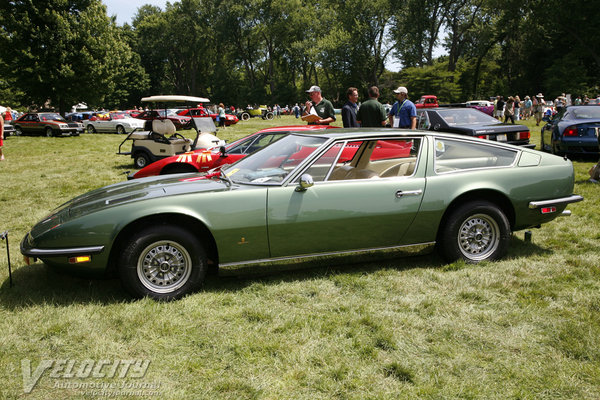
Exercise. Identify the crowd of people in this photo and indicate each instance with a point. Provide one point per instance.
(370, 114)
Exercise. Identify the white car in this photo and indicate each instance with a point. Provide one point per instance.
(116, 121)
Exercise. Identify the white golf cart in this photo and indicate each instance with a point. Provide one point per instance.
(159, 139)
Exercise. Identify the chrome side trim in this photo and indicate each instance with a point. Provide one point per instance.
(41, 253)
(411, 249)
(554, 202)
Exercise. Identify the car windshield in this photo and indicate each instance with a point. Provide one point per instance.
(466, 116)
(118, 115)
(274, 162)
(52, 117)
(583, 113)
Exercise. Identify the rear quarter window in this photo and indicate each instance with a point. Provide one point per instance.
(455, 155)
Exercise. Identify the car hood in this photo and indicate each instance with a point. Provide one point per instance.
(130, 192)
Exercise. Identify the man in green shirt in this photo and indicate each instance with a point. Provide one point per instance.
(371, 113)
(317, 105)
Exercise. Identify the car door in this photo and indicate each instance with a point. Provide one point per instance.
(345, 213)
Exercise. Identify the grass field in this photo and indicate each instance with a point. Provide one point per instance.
(526, 327)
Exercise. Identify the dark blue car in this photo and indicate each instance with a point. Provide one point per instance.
(573, 132)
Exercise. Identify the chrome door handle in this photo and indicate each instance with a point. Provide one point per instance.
(400, 193)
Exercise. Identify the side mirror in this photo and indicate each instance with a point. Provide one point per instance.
(306, 181)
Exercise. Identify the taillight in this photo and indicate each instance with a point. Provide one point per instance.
(524, 135)
(548, 210)
(570, 131)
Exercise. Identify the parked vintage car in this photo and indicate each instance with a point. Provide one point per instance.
(482, 105)
(180, 121)
(203, 112)
(471, 122)
(296, 199)
(576, 131)
(114, 122)
(9, 130)
(46, 124)
(201, 160)
(427, 101)
(262, 112)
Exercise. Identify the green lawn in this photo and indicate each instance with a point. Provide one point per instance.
(524, 327)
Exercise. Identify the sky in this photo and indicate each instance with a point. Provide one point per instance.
(126, 9)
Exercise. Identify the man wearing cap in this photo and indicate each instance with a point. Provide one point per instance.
(319, 106)
(538, 108)
(403, 113)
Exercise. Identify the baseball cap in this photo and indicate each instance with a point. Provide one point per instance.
(401, 89)
(313, 89)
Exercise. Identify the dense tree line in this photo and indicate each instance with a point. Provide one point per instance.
(239, 52)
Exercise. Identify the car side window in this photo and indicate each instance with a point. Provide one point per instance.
(455, 155)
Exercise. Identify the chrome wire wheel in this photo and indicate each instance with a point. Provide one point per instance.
(164, 266)
(478, 237)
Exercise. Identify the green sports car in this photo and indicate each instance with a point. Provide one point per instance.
(299, 197)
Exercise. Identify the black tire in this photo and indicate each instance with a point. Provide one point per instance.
(49, 132)
(90, 129)
(18, 131)
(162, 262)
(120, 130)
(245, 116)
(140, 160)
(475, 231)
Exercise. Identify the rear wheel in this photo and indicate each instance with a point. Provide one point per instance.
(162, 262)
(140, 160)
(91, 129)
(476, 231)
(49, 132)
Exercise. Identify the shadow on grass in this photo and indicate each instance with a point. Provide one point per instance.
(40, 284)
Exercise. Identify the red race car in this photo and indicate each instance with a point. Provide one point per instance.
(201, 160)
(203, 112)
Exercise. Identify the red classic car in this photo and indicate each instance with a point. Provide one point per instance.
(203, 112)
(202, 160)
(180, 121)
(427, 101)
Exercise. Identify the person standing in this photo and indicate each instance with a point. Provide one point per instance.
(371, 113)
(404, 112)
(499, 108)
(538, 108)
(221, 115)
(509, 112)
(1, 137)
(319, 106)
(517, 108)
(350, 108)
(527, 104)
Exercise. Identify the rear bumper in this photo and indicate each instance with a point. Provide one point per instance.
(562, 201)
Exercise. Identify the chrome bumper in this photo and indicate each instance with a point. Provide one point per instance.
(555, 202)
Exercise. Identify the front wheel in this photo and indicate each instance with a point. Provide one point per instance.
(245, 116)
(476, 231)
(49, 132)
(18, 131)
(269, 116)
(121, 130)
(90, 129)
(162, 262)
